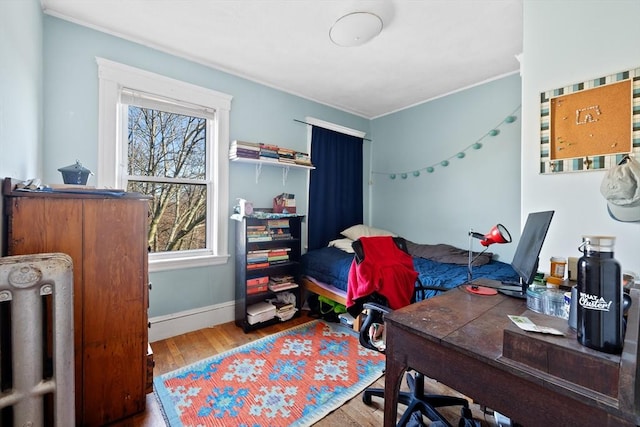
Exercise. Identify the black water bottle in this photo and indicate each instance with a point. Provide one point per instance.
(600, 320)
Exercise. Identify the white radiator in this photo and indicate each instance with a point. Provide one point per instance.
(25, 282)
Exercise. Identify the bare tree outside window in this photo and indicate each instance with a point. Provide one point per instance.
(167, 161)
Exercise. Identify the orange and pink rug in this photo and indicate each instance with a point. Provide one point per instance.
(293, 378)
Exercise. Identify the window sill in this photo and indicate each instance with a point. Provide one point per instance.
(190, 262)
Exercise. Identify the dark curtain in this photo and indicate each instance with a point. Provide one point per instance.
(335, 189)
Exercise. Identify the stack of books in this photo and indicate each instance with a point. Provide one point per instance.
(286, 155)
(278, 256)
(269, 152)
(244, 150)
(302, 159)
(281, 283)
(258, 233)
(284, 310)
(279, 229)
(257, 259)
(257, 285)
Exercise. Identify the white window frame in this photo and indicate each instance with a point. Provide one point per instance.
(112, 152)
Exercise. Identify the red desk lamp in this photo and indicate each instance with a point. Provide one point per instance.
(497, 234)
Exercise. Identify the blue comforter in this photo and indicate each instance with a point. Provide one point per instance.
(331, 265)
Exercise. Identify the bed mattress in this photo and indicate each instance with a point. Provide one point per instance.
(331, 265)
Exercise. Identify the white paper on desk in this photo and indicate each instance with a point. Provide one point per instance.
(526, 324)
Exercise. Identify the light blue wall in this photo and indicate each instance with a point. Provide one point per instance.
(68, 103)
(258, 113)
(567, 42)
(477, 191)
(20, 88)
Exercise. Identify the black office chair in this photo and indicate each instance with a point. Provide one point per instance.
(418, 403)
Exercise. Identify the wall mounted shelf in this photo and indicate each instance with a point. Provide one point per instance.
(259, 163)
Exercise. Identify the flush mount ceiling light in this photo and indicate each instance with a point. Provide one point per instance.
(355, 29)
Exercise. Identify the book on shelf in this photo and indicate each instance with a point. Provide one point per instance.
(286, 155)
(269, 150)
(302, 158)
(283, 236)
(287, 151)
(263, 280)
(268, 153)
(269, 147)
(282, 306)
(281, 278)
(256, 289)
(277, 287)
(278, 252)
(258, 254)
(245, 144)
(257, 265)
(259, 232)
(273, 259)
(244, 150)
(280, 283)
(244, 156)
(277, 223)
(254, 239)
(284, 310)
(286, 315)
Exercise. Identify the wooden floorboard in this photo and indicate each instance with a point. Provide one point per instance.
(175, 352)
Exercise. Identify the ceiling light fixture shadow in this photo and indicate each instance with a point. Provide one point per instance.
(355, 29)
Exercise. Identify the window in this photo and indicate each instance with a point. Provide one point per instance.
(169, 140)
(166, 159)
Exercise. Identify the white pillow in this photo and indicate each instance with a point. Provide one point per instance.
(357, 231)
(342, 244)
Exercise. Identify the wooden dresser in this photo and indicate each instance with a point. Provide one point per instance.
(106, 236)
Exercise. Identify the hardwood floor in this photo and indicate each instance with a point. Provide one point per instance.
(179, 351)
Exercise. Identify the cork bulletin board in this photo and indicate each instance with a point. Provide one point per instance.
(590, 125)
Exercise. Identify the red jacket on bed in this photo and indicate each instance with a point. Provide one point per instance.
(385, 269)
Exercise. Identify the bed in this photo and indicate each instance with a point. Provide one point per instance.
(325, 271)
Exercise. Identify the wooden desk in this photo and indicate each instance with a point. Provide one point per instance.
(457, 338)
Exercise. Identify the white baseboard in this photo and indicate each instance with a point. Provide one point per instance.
(170, 325)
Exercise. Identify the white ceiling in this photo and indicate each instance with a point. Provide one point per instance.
(427, 48)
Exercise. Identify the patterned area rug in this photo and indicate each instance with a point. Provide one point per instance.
(293, 378)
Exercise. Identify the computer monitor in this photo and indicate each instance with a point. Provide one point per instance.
(525, 260)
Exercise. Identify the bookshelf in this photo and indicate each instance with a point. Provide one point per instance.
(260, 154)
(260, 162)
(267, 270)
